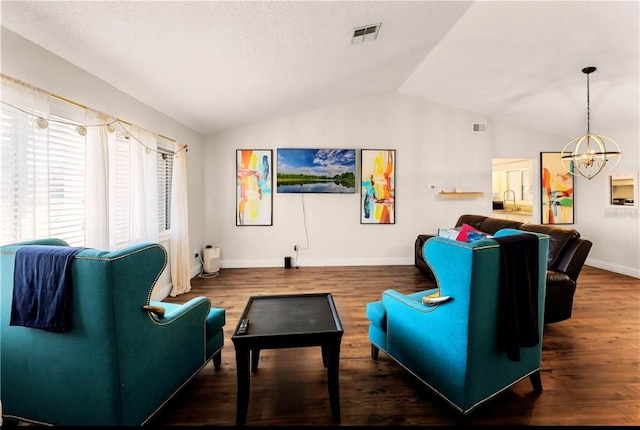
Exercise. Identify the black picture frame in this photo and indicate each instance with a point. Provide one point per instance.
(254, 187)
(557, 190)
(377, 186)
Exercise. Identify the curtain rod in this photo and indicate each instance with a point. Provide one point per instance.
(75, 103)
(80, 105)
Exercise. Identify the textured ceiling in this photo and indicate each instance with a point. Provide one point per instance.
(216, 65)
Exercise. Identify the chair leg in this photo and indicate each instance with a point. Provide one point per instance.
(536, 382)
(374, 352)
(10, 422)
(217, 360)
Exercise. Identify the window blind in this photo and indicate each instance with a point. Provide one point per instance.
(43, 172)
(165, 173)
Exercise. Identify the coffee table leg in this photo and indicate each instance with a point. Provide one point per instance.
(242, 371)
(333, 365)
(255, 357)
(324, 355)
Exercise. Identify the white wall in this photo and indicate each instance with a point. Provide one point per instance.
(30, 63)
(614, 230)
(435, 145)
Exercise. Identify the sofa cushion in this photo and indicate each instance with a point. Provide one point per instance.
(464, 231)
(474, 221)
(491, 225)
(559, 237)
(449, 233)
(472, 236)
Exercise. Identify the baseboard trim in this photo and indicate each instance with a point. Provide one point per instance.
(302, 262)
(615, 268)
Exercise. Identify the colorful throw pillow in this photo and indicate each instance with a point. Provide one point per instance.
(449, 233)
(472, 236)
(464, 231)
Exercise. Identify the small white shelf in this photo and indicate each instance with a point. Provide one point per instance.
(462, 195)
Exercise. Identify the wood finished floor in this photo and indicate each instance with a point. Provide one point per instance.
(590, 363)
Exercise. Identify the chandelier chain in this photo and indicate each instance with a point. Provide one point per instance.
(588, 108)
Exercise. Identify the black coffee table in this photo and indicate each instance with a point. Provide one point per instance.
(287, 321)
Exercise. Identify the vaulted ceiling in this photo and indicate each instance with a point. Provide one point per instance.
(215, 65)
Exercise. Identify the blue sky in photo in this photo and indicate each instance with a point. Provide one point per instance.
(309, 161)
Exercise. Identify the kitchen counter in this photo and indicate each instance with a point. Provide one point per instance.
(518, 215)
(523, 212)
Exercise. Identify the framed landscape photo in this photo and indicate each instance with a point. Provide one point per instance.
(377, 186)
(557, 190)
(316, 170)
(254, 183)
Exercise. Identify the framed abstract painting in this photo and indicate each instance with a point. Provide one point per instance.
(377, 186)
(557, 190)
(254, 183)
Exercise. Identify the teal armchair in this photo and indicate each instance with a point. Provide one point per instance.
(121, 357)
(462, 348)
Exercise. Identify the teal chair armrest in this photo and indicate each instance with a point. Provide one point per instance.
(175, 311)
(186, 321)
(412, 301)
(415, 329)
(430, 340)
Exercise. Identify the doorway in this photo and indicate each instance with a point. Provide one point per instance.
(512, 183)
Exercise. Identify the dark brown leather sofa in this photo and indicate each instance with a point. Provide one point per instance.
(567, 254)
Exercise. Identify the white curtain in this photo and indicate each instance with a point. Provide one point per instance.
(180, 249)
(97, 226)
(144, 182)
(23, 191)
(111, 177)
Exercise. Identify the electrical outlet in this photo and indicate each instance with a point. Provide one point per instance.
(295, 247)
(196, 253)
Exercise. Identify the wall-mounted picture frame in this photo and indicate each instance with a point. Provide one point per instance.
(316, 170)
(254, 187)
(557, 189)
(377, 186)
(622, 191)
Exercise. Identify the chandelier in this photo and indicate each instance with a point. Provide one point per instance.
(587, 155)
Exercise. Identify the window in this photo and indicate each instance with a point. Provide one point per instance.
(44, 176)
(165, 173)
(119, 179)
(63, 197)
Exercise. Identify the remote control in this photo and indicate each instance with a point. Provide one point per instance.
(242, 329)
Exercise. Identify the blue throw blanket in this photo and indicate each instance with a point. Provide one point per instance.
(42, 287)
(518, 306)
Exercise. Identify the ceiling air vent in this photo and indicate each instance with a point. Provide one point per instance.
(479, 127)
(366, 33)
